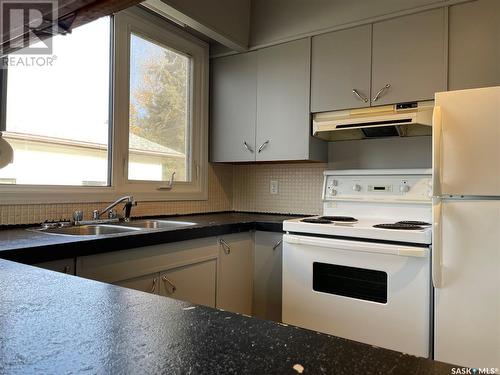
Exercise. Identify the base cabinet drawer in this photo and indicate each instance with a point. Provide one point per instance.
(194, 283)
(146, 283)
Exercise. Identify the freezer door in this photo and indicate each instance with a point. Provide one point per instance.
(467, 300)
(466, 142)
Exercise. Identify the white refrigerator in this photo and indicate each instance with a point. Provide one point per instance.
(466, 227)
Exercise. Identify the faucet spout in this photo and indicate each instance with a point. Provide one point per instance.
(129, 202)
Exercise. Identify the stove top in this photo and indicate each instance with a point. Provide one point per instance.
(365, 228)
(392, 205)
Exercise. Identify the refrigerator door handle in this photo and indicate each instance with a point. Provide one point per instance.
(436, 242)
(437, 144)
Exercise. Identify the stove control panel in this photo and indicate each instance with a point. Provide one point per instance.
(349, 186)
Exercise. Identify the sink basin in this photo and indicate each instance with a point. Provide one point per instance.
(90, 230)
(159, 224)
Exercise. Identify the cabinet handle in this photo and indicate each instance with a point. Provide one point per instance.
(165, 279)
(360, 96)
(153, 288)
(377, 96)
(247, 147)
(276, 245)
(262, 146)
(225, 246)
(67, 269)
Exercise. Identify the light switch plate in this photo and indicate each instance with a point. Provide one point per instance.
(273, 187)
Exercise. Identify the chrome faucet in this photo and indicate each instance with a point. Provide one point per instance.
(96, 214)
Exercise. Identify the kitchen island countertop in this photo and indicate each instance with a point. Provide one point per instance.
(55, 323)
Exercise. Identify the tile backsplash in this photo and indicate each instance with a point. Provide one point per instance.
(299, 188)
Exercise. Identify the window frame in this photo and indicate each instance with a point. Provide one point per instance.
(142, 22)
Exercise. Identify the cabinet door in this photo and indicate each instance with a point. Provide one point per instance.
(146, 283)
(474, 45)
(267, 276)
(340, 64)
(409, 55)
(283, 123)
(235, 273)
(60, 265)
(232, 127)
(194, 283)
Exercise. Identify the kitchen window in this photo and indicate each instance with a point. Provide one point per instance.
(57, 117)
(124, 110)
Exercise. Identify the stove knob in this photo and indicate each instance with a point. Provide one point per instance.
(404, 188)
(356, 187)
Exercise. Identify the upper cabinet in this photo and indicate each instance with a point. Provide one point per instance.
(264, 94)
(341, 69)
(398, 60)
(233, 95)
(474, 45)
(408, 61)
(283, 86)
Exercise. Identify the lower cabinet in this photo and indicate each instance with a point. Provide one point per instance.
(185, 270)
(195, 283)
(235, 273)
(267, 276)
(238, 272)
(146, 283)
(60, 265)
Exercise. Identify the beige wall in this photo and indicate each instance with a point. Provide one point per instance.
(277, 20)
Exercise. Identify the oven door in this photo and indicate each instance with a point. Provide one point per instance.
(375, 293)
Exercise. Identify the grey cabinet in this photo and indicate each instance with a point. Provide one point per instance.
(60, 265)
(233, 102)
(145, 283)
(474, 45)
(262, 98)
(409, 55)
(283, 118)
(194, 282)
(267, 276)
(341, 69)
(235, 273)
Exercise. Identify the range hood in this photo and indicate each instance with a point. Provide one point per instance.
(397, 120)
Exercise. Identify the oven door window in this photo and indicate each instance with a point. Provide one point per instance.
(359, 283)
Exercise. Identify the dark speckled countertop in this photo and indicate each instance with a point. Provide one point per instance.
(32, 247)
(52, 323)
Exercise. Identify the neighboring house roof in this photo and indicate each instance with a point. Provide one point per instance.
(138, 145)
(142, 144)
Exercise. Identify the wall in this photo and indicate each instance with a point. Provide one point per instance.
(278, 20)
(220, 198)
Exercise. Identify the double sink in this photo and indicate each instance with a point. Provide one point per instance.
(108, 229)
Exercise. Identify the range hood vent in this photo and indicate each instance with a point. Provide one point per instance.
(398, 120)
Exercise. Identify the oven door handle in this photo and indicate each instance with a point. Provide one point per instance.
(417, 252)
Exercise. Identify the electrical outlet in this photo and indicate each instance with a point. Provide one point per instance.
(273, 188)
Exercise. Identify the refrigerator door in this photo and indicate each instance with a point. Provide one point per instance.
(466, 142)
(467, 298)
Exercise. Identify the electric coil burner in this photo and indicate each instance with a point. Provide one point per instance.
(316, 220)
(414, 222)
(399, 226)
(340, 219)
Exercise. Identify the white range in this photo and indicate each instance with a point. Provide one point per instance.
(362, 269)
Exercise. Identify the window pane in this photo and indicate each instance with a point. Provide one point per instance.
(159, 141)
(57, 116)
